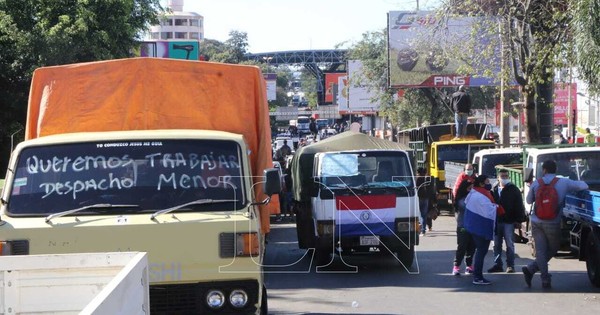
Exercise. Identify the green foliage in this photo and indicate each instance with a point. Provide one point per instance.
(230, 51)
(36, 33)
(587, 41)
(536, 39)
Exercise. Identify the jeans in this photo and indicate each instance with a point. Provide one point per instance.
(465, 249)
(504, 231)
(481, 248)
(546, 236)
(424, 208)
(460, 119)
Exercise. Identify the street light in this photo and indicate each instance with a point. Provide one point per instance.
(519, 107)
(12, 137)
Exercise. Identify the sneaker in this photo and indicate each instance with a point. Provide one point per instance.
(422, 234)
(481, 281)
(510, 270)
(496, 268)
(527, 275)
(469, 270)
(456, 271)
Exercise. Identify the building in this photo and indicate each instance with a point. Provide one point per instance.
(178, 25)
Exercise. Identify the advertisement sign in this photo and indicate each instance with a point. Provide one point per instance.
(419, 54)
(271, 80)
(342, 96)
(331, 79)
(359, 96)
(561, 102)
(170, 49)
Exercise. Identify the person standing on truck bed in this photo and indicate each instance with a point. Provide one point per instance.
(461, 104)
(546, 232)
(509, 197)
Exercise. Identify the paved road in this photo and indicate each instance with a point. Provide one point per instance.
(381, 286)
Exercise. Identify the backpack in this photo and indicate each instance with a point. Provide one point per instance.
(546, 200)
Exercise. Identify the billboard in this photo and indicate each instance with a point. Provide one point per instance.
(170, 49)
(342, 96)
(561, 102)
(359, 96)
(331, 79)
(420, 54)
(271, 80)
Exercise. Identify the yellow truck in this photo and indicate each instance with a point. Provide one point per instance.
(168, 157)
(434, 145)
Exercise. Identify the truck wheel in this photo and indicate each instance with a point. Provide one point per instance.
(264, 308)
(322, 256)
(406, 255)
(592, 262)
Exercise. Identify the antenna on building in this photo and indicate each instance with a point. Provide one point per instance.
(175, 5)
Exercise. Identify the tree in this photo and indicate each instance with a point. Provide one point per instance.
(36, 33)
(586, 15)
(536, 37)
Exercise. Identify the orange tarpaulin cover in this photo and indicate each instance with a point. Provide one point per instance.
(154, 93)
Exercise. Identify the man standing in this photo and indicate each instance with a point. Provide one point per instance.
(509, 197)
(461, 104)
(283, 152)
(424, 192)
(546, 231)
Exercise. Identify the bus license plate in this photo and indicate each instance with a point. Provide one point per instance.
(369, 240)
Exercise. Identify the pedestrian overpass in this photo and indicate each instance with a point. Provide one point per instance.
(318, 62)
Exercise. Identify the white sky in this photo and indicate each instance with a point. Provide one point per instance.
(280, 25)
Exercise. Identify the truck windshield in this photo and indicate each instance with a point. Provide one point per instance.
(574, 165)
(489, 162)
(366, 170)
(458, 152)
(149, 174)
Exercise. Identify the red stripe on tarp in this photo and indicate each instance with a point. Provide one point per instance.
(366, 202)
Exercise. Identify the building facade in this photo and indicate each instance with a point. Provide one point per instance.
(178, 25)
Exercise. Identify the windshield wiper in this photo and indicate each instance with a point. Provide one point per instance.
(94, 206)
(191, 203)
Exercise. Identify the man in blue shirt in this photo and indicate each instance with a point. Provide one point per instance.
(546, 233)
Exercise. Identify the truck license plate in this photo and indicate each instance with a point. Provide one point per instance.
(369, 240)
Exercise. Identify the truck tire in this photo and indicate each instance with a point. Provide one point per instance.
(406, 255)
(592, 262)
(322, 256)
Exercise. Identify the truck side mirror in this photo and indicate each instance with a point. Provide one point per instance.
(528, 175)
(272, 184)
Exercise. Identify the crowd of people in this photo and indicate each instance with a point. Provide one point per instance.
(485, 214)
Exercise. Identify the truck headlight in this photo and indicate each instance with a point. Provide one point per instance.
(325, 228)
(238, 298)
(406, 226)
(215, 299)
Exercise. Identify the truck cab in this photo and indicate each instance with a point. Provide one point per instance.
(183, 196)
(365, 201)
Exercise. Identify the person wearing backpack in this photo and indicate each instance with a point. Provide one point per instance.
(548, 193)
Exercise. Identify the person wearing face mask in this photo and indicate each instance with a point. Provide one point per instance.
(467, 174)
(509, 197)
(480, 220)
